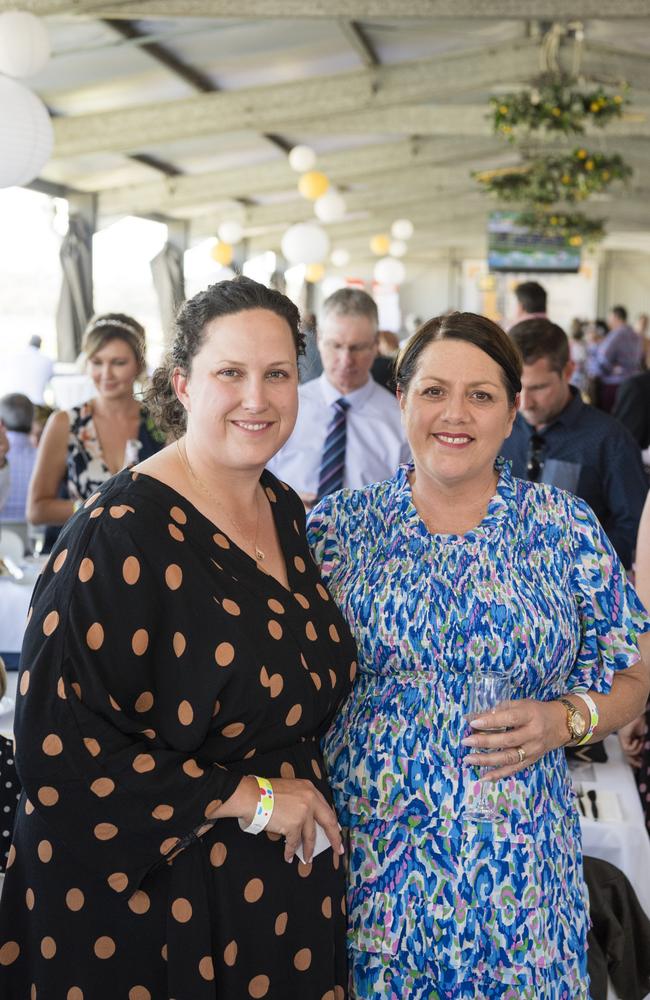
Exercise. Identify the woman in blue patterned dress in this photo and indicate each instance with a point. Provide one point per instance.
(453, 565)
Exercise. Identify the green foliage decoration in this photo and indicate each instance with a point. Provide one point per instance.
(575, 228)
(556, 104)
(545, 180)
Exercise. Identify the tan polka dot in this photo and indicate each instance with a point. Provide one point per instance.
(90, 501)
(329, 995)
(178, 514)
(86, 570)
(48, 947)
(23, 687)
(114, 705)
(293, 715)
(336, 860)
(118, 881)
(11, 856)
(304, 662)
(173, 576)
(192, 769)
(95, 636)
(232, 730)
(230, 607)
(206, 968)
(101, 787)
(334, 635)
(339, 993)
(139, 993)
(264, 677)
(332, 678)
(259, 987)
(299, 564)
(317, 681)
(149, 733)
(182, 910)
(30, 899)
(29, 808)
(60, 689)
(304, 869)
(32, 992)
(287, 770)
(144, 702)
(250, 753)
(47, 795)
(74, 899)
(163, 952)
(343, 906)
(52, 745)
(224, 654)
(176, 533)
(221, 540)
(212, 807)
(185, 713)
(326, 907)
(275, 629)
(353, 670)
(131, 570)
(217, 708)
(230, 953)
(302, 959)
(311, 632)
(92, 746)
(74, 993)
(281, 923)
(60, 559)
(218, 854)
(316, 769)
(322, 592)
(143, 762)
(179, 643)
(275, 606)
(119, 510)
(105, 831)
(270, 494)
(163, 811)
(104, 947)
(50, 622)
(139, 902)
(97, 511)
(29, 616)
(302, 601)
(44, 851)
(253, 890)
(76, 687)
(140, 641)
(9, 952)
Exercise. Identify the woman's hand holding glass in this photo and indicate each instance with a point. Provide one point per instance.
(532, 728)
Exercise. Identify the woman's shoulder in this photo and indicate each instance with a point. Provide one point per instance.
(546, 505)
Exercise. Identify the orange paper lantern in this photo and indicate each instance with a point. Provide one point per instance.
(313, 185)
(222, 253)
(314, 273)
(380, 244)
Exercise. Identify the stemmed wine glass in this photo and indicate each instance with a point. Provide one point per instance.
(490, 689)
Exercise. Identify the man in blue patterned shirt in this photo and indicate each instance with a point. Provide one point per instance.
(559, 439)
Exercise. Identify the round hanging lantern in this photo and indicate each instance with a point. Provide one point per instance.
(402, 229)
(397, 248)
(389, 271)
(222, 253)
(24, 43)
(314, 273)
(305, 243)
(340, 257)
(379, 244)
(26, 135)
(330, 207)
(230, 231)
(302, 158)
(313, 185)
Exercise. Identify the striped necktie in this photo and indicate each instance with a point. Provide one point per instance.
(330, 476)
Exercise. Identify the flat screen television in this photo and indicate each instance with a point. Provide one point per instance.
(512, 247)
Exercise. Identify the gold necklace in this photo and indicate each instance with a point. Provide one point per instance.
(259, 554)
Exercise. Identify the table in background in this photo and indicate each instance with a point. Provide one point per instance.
(14, 604)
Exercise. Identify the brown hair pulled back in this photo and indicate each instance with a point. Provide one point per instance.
(115, 326)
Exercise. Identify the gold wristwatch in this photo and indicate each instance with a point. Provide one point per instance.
(575, 721)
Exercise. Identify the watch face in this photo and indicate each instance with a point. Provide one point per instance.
(579, 725)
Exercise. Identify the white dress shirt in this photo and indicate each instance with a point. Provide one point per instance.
(375, 443)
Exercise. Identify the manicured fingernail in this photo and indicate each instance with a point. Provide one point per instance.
(478, 723)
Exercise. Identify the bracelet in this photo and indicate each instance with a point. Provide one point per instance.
(77, 505)
(264, 808)
(593, 715)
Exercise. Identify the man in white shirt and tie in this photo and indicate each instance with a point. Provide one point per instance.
(349, 432)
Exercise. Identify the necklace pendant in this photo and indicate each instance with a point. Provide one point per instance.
(259, 555)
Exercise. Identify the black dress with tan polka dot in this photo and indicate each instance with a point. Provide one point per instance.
(161, 663)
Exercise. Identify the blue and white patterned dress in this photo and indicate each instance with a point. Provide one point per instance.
(440, 907)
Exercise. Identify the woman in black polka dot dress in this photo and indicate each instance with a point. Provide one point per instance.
(180, 647)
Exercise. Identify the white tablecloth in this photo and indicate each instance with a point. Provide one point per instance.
(14, 605)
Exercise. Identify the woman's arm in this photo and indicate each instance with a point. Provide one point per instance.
(44, 506)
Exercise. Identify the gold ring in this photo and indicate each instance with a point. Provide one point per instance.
(521, 753)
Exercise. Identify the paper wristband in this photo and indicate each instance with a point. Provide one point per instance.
(264, 807)
(593, 715)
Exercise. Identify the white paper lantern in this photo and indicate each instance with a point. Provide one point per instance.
(330, 207)
(24, 43)
(26, 134)
(402, 229)
(340, 257)
(230, 231)
(389, 271)
(302, 158)
(305, 243)
(397, 248)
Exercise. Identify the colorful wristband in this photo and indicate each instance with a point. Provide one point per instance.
(593, 715)
(264, 807)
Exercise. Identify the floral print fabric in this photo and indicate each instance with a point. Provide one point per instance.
(441, 907)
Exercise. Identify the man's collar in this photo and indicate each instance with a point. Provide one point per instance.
(565, 418)
(356, 398)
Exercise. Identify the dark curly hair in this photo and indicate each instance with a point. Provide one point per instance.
(225, 298)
